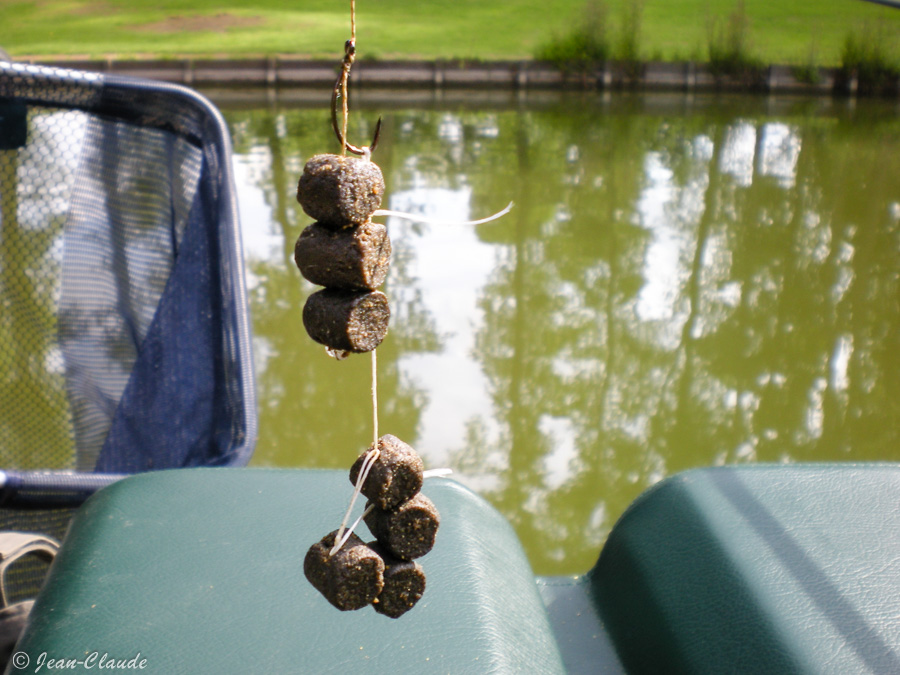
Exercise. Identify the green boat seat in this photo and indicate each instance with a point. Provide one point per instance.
(201, 571)
(752, 569)
(756, 569)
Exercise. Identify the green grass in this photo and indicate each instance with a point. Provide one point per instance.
(585, 46)
(868, 54)
(780, 31)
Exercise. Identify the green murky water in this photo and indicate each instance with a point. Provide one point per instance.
(682, 282)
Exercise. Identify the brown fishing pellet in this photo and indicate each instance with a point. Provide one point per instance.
(396, 475)
(404, 584)
(338, 191)
(350, 579)
(352, 321)
(351, 258)
(407, 531)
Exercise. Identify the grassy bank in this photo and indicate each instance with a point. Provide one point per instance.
(778, 31)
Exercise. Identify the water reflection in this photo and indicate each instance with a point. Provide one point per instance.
(448, 268)
(671, 290)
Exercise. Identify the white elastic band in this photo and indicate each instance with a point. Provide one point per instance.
(342, 536)
(433, 221)
(375, 397)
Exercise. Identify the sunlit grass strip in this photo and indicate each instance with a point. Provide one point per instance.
(780, 32)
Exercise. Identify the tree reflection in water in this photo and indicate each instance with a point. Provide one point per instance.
(681, 284)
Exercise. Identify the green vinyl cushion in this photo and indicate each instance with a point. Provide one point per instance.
(757, 569)
(201, 571)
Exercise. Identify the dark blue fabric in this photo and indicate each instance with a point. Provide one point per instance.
(168, 413)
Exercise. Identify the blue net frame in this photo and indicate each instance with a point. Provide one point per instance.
(125, 340)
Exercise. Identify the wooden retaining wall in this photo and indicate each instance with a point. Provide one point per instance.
(286, 72)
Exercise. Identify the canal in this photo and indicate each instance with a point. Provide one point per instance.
(683, 281)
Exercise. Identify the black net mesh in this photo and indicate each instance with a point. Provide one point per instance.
(36, 427)
(124, 335)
